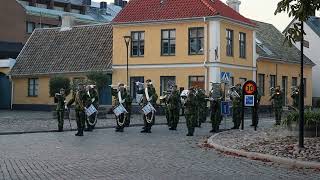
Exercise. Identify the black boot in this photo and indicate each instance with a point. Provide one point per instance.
(60, 129)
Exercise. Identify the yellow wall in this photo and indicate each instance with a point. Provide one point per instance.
(182, 75)
(290, 70)
(235, 59)
(20, 86)
(153, 44)
(238, 73)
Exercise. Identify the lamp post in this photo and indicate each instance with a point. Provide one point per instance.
(127, 41)
(301, 106)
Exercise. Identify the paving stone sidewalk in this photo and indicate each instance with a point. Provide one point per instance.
(31, 121)
(276, 141)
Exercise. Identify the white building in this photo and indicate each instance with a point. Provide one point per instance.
(311, 50)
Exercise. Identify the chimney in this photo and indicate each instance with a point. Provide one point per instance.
(124, 3)
(86, 2)
(103, 7)
(234, 4)
(67, 22)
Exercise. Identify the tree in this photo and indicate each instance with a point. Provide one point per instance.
(58, 82)
(300, 10)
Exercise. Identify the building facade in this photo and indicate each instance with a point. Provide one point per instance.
(190, 48)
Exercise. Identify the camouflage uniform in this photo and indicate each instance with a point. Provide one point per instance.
(93, 99)
(174, 108)
(237, 109)
(190, 112)
(153, 100)
(255, 111)
(202, 107)
(60, 110)
(127, 102)
(278, 101)
(79, 108)
(128, 106)
(295, 96)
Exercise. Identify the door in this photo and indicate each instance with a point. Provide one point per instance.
(105, 96)
(5, 92)
(285, 89)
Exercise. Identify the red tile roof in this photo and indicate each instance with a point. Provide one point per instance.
(153, 10)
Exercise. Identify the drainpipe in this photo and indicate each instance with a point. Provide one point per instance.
(11, 101)
(206, 54)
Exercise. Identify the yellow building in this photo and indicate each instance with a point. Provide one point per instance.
(71, 52)
(192, 43)
(188, 47)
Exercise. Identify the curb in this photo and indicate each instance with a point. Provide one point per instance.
(263, 157)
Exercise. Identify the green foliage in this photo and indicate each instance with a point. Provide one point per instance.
(312, 117)
(100, 79)
(58, 82)
(300, 10)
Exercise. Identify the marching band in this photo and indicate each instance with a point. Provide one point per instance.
(194, 101)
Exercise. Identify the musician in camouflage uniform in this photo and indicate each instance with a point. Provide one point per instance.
(151, 92)
(60, 97)
(277, 98)
(295, 97)
(215, 110)
(191, 111)
(237, 108)
(93, 99)
(255, 110)
(126, 102)
(79, 98)
(174, 107)
(202, 107)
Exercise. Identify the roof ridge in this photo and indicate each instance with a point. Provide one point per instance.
(208, 6)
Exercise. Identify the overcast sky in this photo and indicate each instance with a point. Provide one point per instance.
(261, 10)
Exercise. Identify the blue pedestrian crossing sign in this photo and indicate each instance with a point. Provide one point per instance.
(225, 77)
(225, 108)
(249, 100)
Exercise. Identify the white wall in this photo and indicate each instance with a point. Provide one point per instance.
(313, 53)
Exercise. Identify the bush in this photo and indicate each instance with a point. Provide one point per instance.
(100, 79)
(58, 82)
(311, 118)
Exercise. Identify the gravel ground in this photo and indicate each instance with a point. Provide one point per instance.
(276, 141)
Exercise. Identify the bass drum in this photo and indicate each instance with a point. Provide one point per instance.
(150, 117)
(121, 119)
(92, 120)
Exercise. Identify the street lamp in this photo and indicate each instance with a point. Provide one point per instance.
(301, 105)
(127, 41)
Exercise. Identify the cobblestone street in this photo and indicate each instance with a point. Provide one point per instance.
(104, 154)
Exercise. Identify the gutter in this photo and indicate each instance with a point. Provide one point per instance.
(206, 27)
(56, 73)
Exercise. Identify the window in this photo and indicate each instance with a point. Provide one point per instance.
(305, 87)
(196, 40)
(41, 5)
(273, 80)
(76, 11)
(242, 80)
(44, 25)
(229, 35)
(168, 42)
(134, 90)
(58, 8)
(242, 45)
(294, 81)
(231, 81)
(33, 85)
(30, 27)
(26, 3)
(261, 84)
(166, 82)
(196, 81)
(137, 44)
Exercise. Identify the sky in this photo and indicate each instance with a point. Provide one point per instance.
(260, 10)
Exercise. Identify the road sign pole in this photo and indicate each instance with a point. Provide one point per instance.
(242, 113)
